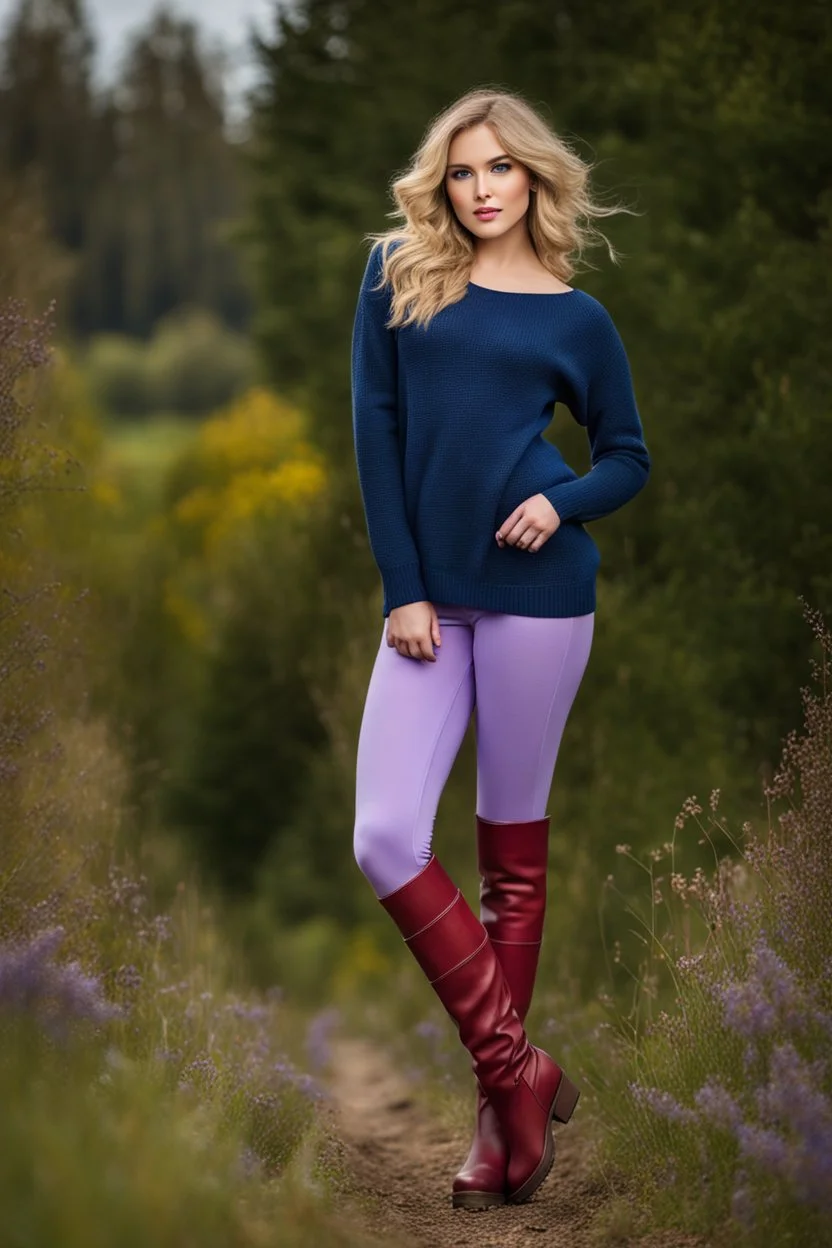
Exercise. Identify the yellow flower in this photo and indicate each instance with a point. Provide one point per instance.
(258, 428)
(107, 494)
(199, 506)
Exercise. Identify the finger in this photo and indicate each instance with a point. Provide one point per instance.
(509, 522)
(429, 651)
(528, 539)
(522, 534)
(424, 648)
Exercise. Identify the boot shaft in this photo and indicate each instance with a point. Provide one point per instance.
(513, 860)
(452, 947)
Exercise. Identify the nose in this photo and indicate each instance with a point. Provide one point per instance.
(483, 191)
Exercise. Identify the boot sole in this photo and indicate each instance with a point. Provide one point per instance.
(476, 1201)
(563, 1106)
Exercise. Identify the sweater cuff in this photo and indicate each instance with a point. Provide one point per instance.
(565, 499)
(403, 585)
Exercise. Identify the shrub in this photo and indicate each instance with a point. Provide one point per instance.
(721, 1111)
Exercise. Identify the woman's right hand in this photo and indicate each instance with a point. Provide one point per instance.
(414, 629)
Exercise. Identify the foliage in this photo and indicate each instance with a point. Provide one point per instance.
(238, 735)
(139, 178)
(148, 1093)
(191, 365)
(719, 1107)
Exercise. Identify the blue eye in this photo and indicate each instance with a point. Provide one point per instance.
(501, 164)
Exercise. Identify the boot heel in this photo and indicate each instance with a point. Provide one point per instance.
(566, 1098)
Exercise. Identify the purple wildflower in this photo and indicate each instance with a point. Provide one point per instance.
(161, 927)
(128, 978)
(662, 1104)
(792, 1096)
(200, 1073)
(251, 1013)
(717, 1106)
(434, 1034)
(742, 1206)
(318, 1035)
(765, 1147)
(168, 1055)
(248, 1163)
(57, 994)
(747, 1010)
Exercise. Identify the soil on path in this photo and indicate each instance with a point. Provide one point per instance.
(404, 1163)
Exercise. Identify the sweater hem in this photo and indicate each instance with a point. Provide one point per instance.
(560, 600)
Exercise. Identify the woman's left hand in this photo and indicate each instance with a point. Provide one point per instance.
(529, 525)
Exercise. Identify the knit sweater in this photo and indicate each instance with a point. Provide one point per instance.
(447, 424)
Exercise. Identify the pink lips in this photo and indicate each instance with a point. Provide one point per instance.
(486, 214)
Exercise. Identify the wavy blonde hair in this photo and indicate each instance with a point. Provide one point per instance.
(428, 258)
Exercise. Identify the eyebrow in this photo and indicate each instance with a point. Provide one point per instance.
(493, 161)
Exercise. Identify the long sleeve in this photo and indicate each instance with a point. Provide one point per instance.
(375, 435)
(606, 407)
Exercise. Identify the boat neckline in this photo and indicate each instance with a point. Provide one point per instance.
(536, 294)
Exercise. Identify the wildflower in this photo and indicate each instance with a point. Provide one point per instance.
(717, 1105)
(200, 1073)
(57, 994)
(742, 1207)
(128, 978)
(318, 1035)
(661, 1103)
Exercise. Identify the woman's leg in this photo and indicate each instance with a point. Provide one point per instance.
(415, 718)
(527, 672)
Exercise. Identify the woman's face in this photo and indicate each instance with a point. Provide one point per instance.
(481, 175)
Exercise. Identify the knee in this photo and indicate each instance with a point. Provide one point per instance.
(374, 840)
(383, 848)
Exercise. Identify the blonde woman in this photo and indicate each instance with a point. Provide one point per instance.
(466, 334)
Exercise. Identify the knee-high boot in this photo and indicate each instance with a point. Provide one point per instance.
(512, 861)
(525, 1087)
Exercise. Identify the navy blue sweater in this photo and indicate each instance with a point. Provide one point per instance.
(447, 424)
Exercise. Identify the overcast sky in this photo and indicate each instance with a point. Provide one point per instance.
(112, 20)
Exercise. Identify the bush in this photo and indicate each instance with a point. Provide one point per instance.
(195, 364)
(191, 365)
(720, 1110)
(117, 370)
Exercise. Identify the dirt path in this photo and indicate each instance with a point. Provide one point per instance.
(404, 1163)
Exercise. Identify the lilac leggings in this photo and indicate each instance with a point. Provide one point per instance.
(520, 672)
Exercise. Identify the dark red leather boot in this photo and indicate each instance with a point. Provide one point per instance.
(524, 1086)
(512, 860)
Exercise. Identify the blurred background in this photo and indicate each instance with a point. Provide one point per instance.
(189, 187)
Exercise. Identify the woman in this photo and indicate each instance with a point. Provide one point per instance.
(465, 335)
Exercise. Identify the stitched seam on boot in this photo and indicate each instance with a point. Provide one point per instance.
(525, 943)
(463, 962)
(450, 906)
(534, 1094)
